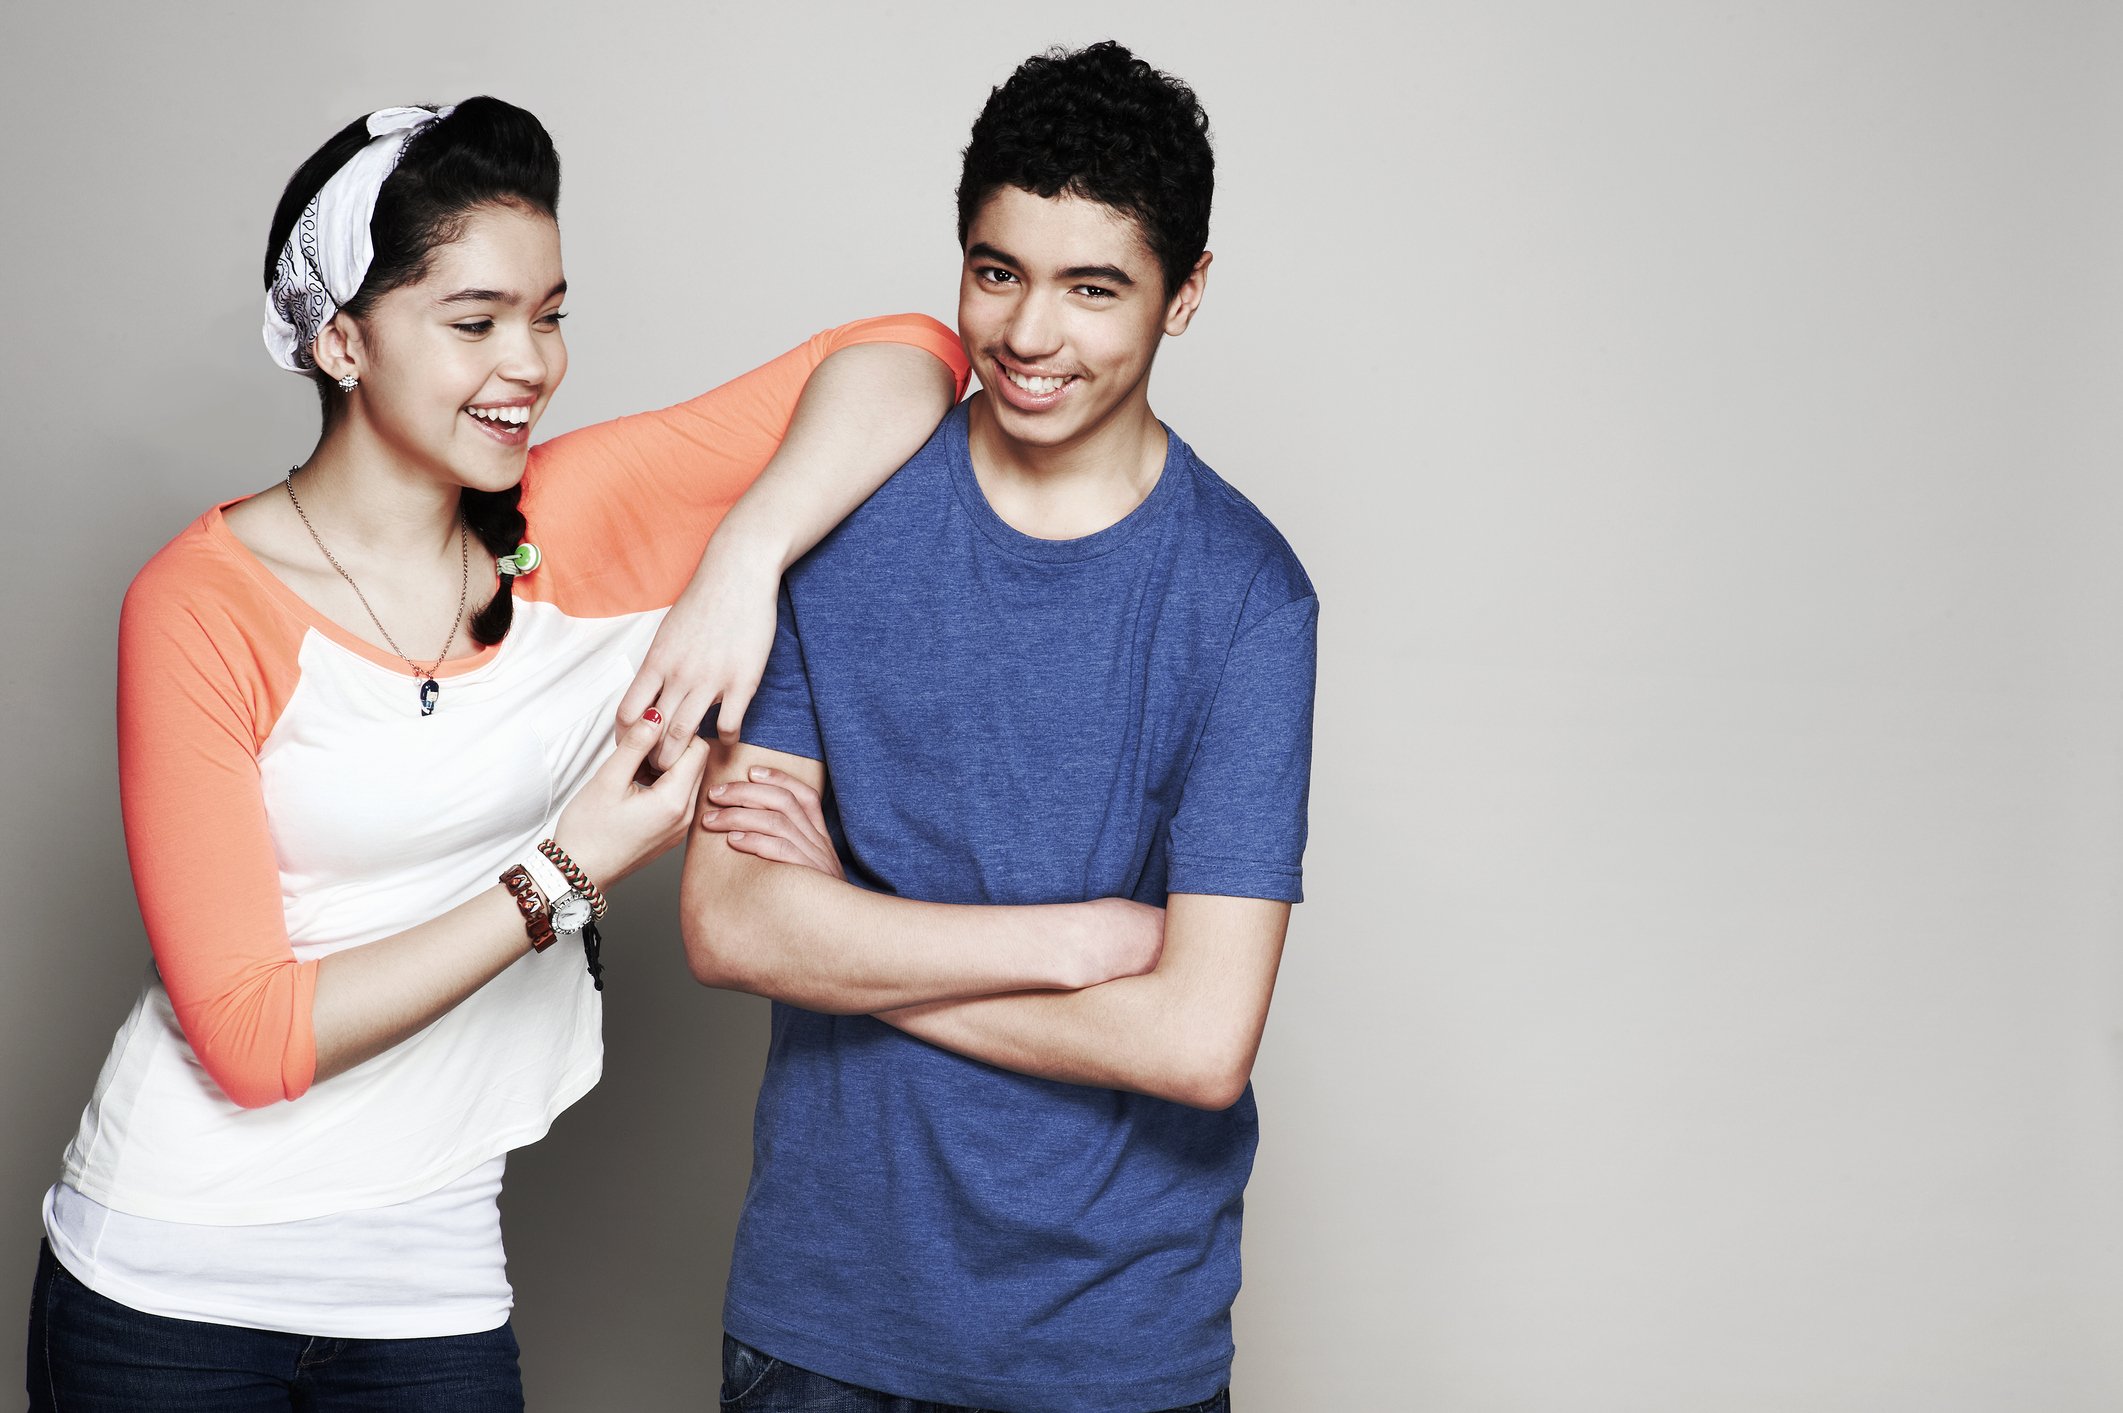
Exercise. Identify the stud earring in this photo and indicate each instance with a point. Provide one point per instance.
(349, 383)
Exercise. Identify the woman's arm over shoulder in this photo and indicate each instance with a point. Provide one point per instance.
(705, 451)
(861, 413)
(204, 667)
(658, 483)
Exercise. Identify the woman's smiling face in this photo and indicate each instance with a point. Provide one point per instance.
(457, 367)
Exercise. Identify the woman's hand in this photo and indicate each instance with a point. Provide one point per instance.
(372, 997)
(712, 647)
(615, 824)
(773, 815)
(864, 410)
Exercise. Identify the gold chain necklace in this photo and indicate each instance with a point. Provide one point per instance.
(430, 690)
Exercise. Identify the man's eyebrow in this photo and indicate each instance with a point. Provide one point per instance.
(1105, 274)
(495, 296)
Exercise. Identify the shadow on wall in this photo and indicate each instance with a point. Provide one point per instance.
(75, 943)
(635, 1193)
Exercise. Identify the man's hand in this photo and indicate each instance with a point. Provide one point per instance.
(773, 815)
(802, 935)
(1187, 1032)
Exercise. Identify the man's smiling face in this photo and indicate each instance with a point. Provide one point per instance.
(1061, 307)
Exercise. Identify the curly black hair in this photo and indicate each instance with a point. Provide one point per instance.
(1103, 125)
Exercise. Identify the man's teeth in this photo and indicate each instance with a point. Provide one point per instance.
(507, 416)
(1041, 386)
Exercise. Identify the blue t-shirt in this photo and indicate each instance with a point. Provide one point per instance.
(1011, 720)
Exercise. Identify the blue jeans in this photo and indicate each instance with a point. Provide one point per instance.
(753, 1382)
(90, 1354)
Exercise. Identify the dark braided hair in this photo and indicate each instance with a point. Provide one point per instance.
(486, 153)
(1100, 124)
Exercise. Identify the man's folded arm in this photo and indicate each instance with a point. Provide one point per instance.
(1187, 1032)
(808, 938)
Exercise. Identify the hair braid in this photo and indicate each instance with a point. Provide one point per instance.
(496, 517)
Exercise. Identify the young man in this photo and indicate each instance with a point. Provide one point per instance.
(1055, 661)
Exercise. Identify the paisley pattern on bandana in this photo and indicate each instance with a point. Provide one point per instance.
(298, 295)
(329, 247)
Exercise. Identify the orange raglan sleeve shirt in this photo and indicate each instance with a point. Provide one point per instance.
(209, 657)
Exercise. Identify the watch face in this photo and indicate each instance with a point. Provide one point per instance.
(571, 913)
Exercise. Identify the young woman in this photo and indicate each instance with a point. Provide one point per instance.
(369, 779)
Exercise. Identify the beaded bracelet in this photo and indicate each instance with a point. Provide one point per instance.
(577, 879)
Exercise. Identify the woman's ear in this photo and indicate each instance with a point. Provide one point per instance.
(338, 349)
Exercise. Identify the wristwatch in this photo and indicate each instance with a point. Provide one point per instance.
(571, 912)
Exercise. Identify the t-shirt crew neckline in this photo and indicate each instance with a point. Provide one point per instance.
(218, 530)
(1011, 540)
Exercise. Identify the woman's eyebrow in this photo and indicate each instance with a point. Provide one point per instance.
(495, 296)
(480, 296)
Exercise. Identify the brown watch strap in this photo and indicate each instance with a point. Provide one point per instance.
(537, 921)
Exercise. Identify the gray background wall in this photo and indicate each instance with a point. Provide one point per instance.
(1701, 423)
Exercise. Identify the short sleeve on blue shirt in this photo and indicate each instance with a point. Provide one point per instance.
(781, 716)
(1240, 828)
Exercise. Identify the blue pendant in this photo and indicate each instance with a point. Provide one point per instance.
(429, 691)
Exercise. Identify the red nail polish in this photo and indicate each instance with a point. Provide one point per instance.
(652, 715)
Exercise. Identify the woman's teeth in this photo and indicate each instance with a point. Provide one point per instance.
(1038, 386)
(506, 416)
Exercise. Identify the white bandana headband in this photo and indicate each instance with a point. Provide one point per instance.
(329, 249)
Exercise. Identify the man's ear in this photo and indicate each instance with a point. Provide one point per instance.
(1179, 312)
(338, 349)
